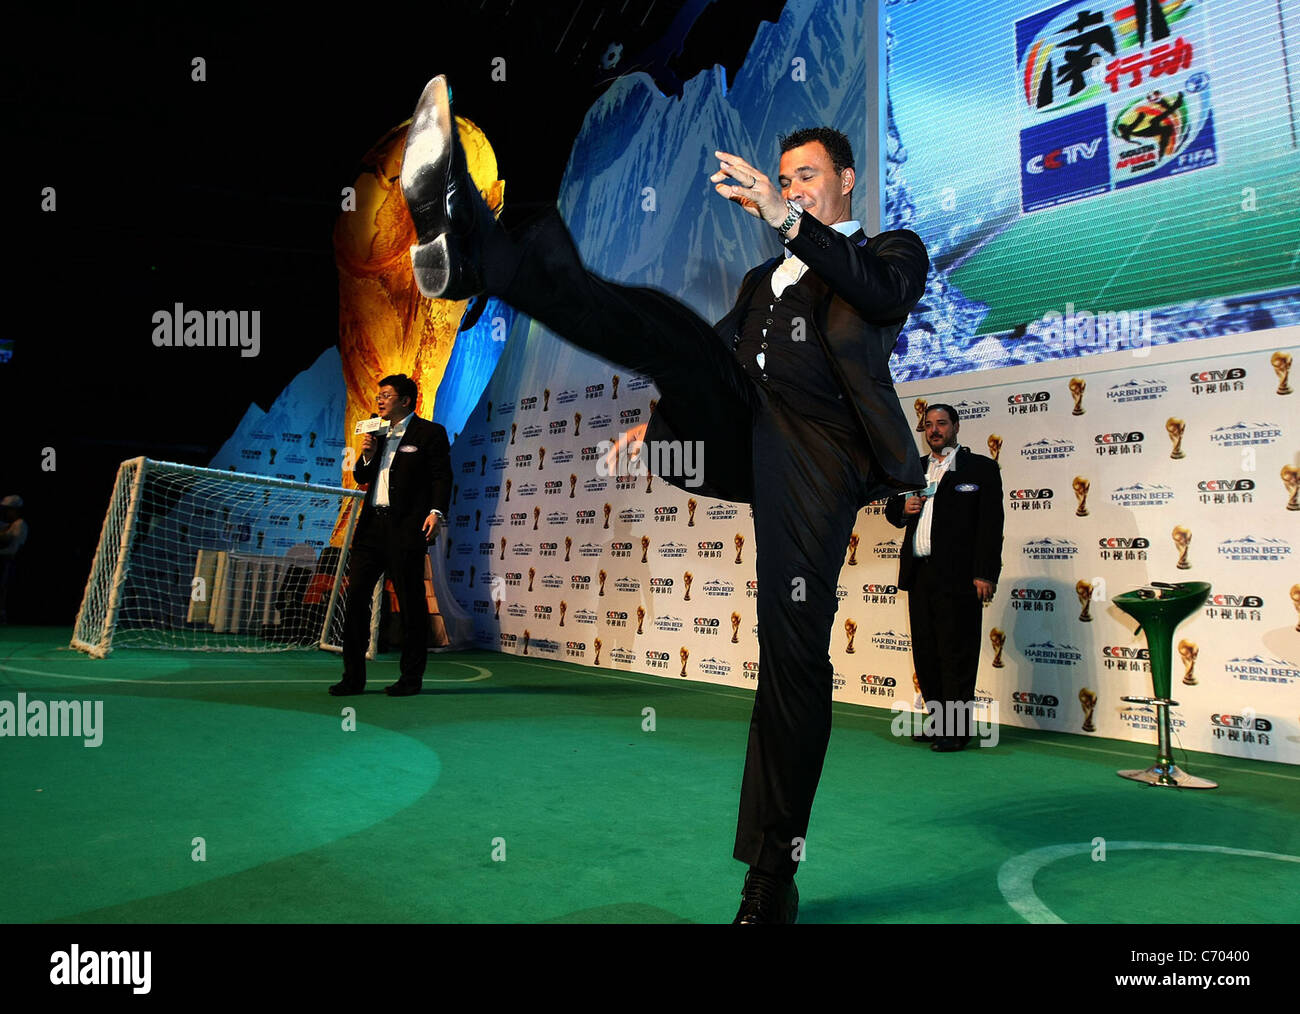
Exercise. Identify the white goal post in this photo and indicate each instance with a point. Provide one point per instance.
(201, 559)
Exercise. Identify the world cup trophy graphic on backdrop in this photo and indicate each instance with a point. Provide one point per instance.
(509, 483)
(537, 517)
(573, 481)
(740, 544)
(645, 547)
(614, 396)
(684, 654)
(601, 577)
(563, 606)
(568, 545)
(1176, 428)
(546, 400)
(1081, 487)
(687, 578)
(1077, 385)
(1295, 601)
(1281, 363)
(527, 636)
(998, 638)
(640, 618)
(1291, 480)
(503, 547)
(1088, 700)
(1084, 590)
(735, 628)
(597, 645)
(691, 504)
(850, 631)
(608, 508)
(532, 572)
(1187, 651)
(577, 422)
(919, 701)
(1182, 539)
(995, 446)
(854, 541)
(514, 428)
(920, 406)
(541, 458)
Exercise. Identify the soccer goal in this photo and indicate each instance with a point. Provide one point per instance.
(197, 559)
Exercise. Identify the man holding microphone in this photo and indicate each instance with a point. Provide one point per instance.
(407, 465)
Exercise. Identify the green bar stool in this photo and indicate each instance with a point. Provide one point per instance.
(1159, 608)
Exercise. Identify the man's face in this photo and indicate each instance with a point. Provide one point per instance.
(391, 407)
(807, 177)
(940, 431)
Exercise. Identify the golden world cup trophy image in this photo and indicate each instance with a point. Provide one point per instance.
(640, 618)
(614, 397)
(514, 427)
(1077, 385)
(691, 504)
(577, 422)
(851, 631)
(563, 606)
(601, 576)
(740, 545)
(596, 645)
(1084, 590)
(496, 615)
(1081, 487)
(527, 635)
(608, 508)
(1182, 539)
(920, 406)
(645, 547)
(998, 638)
(995, 446)
(532, 573)
(1187, 651)
(735, 628)
(568, 544)
(649, 480)
(573, 481)
(1088, 700)
(546, 400)
(1281, 363)
(1295, 601)
(687, 578)
(854, 540)
(1291, 480)
(541, 458)
(1176, 428)
(537, 516)
(654, 403)
(508, 485)
(503, 547)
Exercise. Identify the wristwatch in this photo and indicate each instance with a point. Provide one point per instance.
(795, 211)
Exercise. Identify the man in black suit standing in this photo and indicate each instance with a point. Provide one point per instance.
(408, 467)
(949, 566)
(790, 397)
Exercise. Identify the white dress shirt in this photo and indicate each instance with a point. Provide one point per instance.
(934, 474)
(394, 440)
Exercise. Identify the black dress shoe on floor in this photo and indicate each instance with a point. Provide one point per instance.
(767, 899)
(451, 218)
(346, 689)
(949, 744)
(400, 689)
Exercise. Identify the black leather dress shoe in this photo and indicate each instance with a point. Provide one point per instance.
(345, 689)
(767, 899)
(451, 218)
(401, 689)
(949, 744)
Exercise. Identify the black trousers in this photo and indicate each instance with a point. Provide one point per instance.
(378, 549)
(812, 480)
(945, 620)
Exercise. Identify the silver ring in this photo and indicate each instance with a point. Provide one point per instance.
(752, 184)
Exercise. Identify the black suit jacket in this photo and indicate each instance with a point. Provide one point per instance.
(966, 529)
(864, 288)
(418, 481)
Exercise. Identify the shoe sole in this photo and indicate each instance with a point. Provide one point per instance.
(426, 161)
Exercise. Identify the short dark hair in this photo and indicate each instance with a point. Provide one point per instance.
(404, 386)
(836, 144)
(952, 412)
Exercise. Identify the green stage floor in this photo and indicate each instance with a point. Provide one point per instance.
(525, 790)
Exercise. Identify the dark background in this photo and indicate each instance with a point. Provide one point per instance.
(224, 193)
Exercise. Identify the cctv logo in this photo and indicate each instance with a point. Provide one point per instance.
(1071, 153)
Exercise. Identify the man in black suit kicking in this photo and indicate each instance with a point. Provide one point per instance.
(949, 566)
(408, 467)
(793, 387)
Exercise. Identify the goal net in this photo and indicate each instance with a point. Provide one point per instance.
(204, 560)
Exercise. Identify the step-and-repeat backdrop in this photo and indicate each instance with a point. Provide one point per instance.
(1163, 466)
